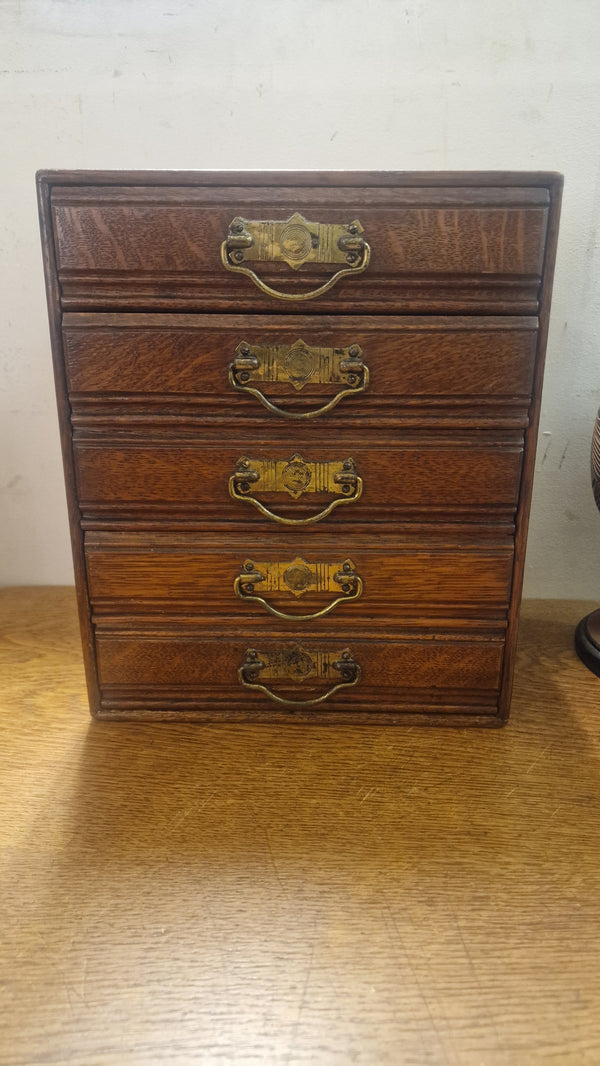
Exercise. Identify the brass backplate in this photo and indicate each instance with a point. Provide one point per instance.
(298, 363)
(295, 241)
(295, 476)
(297, 577)
(297, 663)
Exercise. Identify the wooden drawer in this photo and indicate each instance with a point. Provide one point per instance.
(240, 578)
(144, 671)
(430, 477)
(435, 248)
(136, 366)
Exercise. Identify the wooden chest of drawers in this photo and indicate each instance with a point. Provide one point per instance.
(298, 417)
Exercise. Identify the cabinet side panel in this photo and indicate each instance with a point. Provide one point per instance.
(531, 436)
(64, 412)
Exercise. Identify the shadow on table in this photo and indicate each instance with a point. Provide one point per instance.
(298, 888)
(373, 799)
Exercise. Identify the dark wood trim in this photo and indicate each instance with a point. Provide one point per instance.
(531, 439)
(64, 413)
(376, 179)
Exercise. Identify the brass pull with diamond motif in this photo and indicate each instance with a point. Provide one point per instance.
(299, 364)
(295, 241)
(297, 578)
(296, 477)
(298, 664)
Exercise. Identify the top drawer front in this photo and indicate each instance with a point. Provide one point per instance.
(430, 248)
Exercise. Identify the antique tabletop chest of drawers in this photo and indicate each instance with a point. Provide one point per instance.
(299, 417)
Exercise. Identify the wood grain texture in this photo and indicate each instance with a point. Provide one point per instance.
(139, 236)
(53, 297)
(531, 183)
(138, 244)
(197, 578)
(162, 667)
(438, 441)
(269, 895)
(417, 294)
(180, 358)
(531, 439)
(445, 475)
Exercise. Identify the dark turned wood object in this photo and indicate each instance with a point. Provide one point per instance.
(587, 641)
(450, 320)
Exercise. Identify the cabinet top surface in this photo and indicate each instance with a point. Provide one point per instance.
(293, 178)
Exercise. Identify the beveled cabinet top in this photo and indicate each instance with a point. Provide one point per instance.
(482, 178)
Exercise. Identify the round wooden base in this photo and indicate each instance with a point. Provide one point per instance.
(587, 641)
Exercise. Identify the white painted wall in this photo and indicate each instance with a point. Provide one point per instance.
(301, 84)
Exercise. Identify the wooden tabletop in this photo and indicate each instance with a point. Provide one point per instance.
(291, 895)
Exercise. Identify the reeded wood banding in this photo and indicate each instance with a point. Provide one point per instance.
(410, 391)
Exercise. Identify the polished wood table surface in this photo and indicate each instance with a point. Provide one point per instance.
(294, 895)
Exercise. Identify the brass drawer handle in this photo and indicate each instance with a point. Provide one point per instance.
(298, 577)
(296, 477)
(295, 241)
(298, 364)
(298, 664)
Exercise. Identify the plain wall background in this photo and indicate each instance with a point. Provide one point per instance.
(301, 84)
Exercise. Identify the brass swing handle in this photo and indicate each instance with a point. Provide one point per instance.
(295, 241)
(295, 476)
(298, 664)
(297, 578)
(298, 364)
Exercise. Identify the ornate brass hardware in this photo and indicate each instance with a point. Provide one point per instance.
(296, 477)
(297, 664)
(298, 364)
(298, 577)
(295, 241)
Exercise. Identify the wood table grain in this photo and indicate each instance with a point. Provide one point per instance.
(294, 895)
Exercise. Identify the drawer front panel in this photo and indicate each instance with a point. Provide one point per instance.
(199, 579)
(445, 674)
(122, 246)
(439, 476)
(186, 358)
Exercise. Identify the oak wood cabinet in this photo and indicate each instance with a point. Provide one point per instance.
(299, 416)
